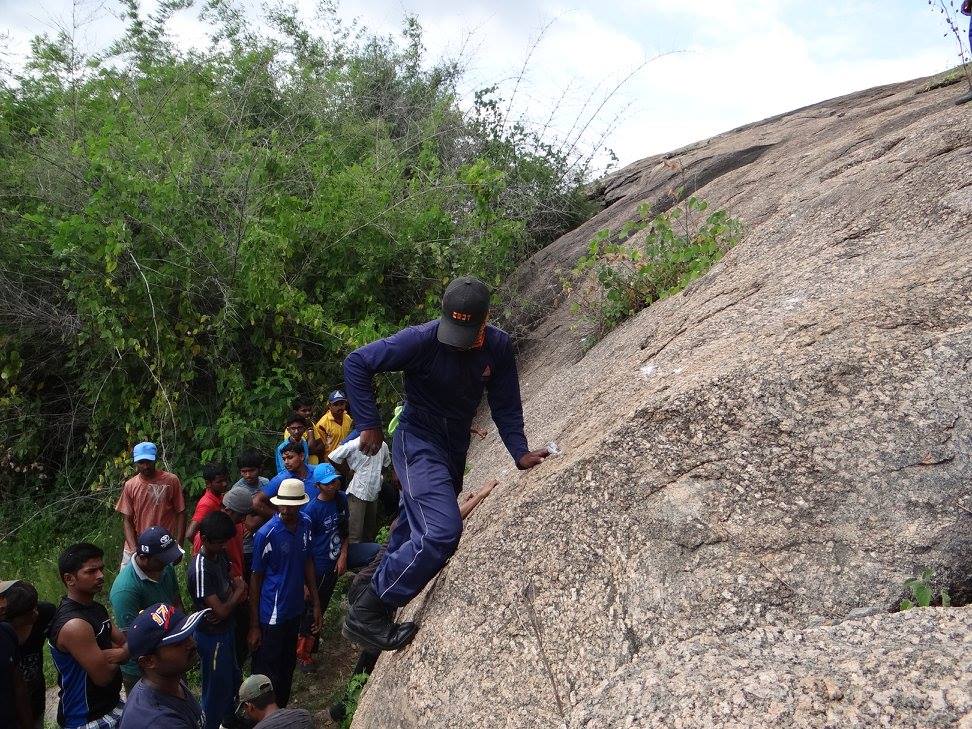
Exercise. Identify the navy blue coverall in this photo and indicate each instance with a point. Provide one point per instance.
(443, 389)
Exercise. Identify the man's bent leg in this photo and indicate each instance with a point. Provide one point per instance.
(361, 554)
(429, 500)
(220, 675)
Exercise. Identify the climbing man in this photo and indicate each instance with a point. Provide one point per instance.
(447, 364)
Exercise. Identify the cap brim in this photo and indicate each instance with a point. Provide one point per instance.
(455, 335)
(6, 585)
(332, 479)
(283, 501)
(248, 697)
(171, 554)
(187, 628)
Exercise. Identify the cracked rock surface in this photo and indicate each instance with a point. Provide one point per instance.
(751, 468)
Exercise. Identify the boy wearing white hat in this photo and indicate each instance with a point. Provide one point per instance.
(283, 565)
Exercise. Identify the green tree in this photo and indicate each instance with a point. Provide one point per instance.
(188, 238)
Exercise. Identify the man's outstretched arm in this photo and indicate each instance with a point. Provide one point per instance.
(507, 410)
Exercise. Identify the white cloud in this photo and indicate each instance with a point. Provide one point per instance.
(743, 60)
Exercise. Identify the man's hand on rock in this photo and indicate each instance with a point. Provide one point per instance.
(531, 459)
(370, 441)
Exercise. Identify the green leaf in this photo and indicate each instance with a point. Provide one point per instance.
(922, 594)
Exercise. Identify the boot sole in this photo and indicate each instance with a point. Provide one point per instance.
(360, 640)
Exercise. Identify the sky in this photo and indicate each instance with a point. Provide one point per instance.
(699, 68)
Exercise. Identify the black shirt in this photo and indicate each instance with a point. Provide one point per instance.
(8, 669)
(149, 707)
(81, 699)
(210, 576)
(31, 658)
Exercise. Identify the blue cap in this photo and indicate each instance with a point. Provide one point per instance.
(336, 396)
(144, 451)
(160, 624)
(158, 542)
(325, 473)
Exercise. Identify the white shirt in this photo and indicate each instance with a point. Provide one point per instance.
(366, 484)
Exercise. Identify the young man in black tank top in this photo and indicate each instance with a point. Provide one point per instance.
(85, 646)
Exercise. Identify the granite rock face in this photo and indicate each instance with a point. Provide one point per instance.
(751, 468)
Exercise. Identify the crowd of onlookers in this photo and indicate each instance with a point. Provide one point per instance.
(265, 556)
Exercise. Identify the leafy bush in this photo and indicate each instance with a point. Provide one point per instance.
(674, 249)
(190, 238)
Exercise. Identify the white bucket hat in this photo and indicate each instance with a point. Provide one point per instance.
(290, 493)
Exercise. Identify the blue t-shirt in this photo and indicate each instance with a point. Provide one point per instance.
(329, 521)
(279, 554)
(273, 485)
(279, 455)
(147, 706)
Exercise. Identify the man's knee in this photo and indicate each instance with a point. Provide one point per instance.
(443, 540)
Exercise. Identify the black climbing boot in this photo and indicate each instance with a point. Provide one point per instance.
(369, 624)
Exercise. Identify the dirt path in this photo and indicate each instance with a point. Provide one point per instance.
(317, 691)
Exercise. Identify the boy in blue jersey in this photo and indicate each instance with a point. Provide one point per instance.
(211, 586)
(283, 566)
(295, 466)
(296, 431)
(448, 363)
(85, 647)
(333, 555)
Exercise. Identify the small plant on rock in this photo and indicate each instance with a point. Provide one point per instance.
(616, 279)
(355, 685)
(922, 593)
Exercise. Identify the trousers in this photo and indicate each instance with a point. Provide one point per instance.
(362, 519)
(428, 527)
(276, 657)
(220, 675)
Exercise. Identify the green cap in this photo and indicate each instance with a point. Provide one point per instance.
(253, 688)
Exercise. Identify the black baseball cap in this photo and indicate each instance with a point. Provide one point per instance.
(158, 542)
(465, 305)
